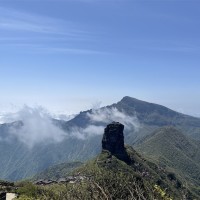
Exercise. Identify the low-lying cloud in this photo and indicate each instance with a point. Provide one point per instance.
(107, 115)
(37, 127)
(85, 133)
(99, 118)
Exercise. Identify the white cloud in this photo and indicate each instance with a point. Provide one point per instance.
(93, 130)
(65, 117)
(107, 115)
(85, 133)
(70, 50)
(37, 127)
(99, 118)
(39, 33)
(21, 21)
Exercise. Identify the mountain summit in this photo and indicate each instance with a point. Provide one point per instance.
(144, 118)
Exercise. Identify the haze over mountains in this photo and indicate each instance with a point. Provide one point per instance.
(79, 139)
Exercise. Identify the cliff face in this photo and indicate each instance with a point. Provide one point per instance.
(113, 138)
(113, 141)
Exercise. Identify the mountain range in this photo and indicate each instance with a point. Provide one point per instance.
(142, 119)
(118, 172)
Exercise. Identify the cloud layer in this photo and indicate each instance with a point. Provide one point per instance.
(37, 125)
(107, 115)
(99, 118)
(43, 34)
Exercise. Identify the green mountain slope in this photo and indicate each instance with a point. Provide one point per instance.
(19, 162)
(118, 172)
(170, 148)
(107, 177)
(57, 171)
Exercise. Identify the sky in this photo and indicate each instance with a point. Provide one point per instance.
(72, 55)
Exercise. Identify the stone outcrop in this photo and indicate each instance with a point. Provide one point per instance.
(113, 140)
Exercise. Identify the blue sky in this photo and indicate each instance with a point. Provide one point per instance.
(68, 55)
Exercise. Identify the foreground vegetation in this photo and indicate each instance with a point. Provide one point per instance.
(107, 177)
(57, 171)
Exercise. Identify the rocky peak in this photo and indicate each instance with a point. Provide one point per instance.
(113, 140)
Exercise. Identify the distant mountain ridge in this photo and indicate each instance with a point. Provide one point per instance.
(18, 162)
(149, 114)
(152, 114)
